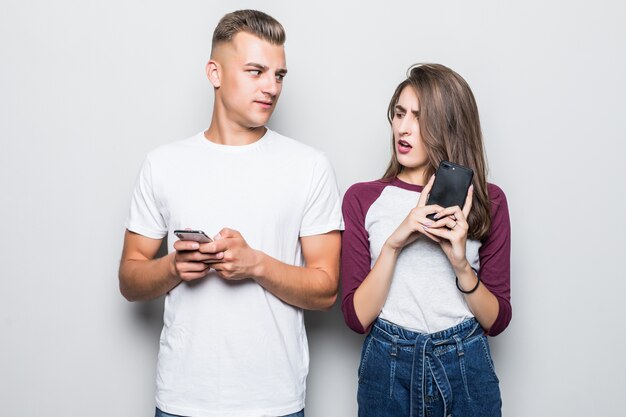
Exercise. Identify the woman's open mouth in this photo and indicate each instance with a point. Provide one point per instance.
(404, 147)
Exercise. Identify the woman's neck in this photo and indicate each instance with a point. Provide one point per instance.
(415, 177)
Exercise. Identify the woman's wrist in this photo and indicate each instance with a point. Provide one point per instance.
(467, 278)
(462, 269)
(390, 248)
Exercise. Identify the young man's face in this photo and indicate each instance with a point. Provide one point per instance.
(251, 73)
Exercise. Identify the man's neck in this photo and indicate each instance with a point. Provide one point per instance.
(229, 133)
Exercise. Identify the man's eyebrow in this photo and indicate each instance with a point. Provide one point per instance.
(259, 66)
(281, 71)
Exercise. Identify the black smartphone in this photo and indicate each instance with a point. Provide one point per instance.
(194, 235)
(451, 184)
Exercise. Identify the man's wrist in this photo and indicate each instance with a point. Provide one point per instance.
(260, 265)
(171, 261)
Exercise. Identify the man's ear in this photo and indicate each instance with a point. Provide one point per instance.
(213, 73)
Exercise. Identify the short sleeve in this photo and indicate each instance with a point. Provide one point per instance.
(145, 216)
(322, 212)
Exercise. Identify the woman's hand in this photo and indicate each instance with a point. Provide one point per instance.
(450, 231)
(415, 222)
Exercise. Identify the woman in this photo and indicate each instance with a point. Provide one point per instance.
(427, 291)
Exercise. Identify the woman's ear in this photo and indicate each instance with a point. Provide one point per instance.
(213, 73)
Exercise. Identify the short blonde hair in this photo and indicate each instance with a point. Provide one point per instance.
(251, 21)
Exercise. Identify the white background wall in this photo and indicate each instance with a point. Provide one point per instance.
(87, 88)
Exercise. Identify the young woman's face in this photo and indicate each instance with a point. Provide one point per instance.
(410, 149)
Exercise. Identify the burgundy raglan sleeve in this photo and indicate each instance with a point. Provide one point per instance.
(495, 259)
(355, 248)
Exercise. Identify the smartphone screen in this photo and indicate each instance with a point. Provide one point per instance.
(194, 235)
(451, 184)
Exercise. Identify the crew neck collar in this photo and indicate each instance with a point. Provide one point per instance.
(407, 186)
(235, 148)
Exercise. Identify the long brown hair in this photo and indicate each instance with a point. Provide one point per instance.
(450, 129)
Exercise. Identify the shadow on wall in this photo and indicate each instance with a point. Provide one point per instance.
(327, 329)
(327, 321)
(150, 314)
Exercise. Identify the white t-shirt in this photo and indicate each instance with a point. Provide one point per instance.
(233, 348)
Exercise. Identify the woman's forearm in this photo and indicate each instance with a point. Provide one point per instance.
(371, 295)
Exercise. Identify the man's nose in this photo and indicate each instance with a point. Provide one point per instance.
(271, 85)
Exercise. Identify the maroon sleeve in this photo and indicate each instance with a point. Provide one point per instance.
(495, 259)
(355, 246)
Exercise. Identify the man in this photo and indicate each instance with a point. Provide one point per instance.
(233, 340)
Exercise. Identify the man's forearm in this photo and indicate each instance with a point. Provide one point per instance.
(305, 287)
(147, 279)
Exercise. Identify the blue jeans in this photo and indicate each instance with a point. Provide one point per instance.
(159, 413)
(404, 373)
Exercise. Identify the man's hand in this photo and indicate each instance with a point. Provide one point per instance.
(192, 260)
(232, 258)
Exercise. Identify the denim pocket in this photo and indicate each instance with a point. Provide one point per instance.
(377, 370)
(365, 351)
(488, 358)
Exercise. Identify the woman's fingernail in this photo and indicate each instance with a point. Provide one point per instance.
(195, 246)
